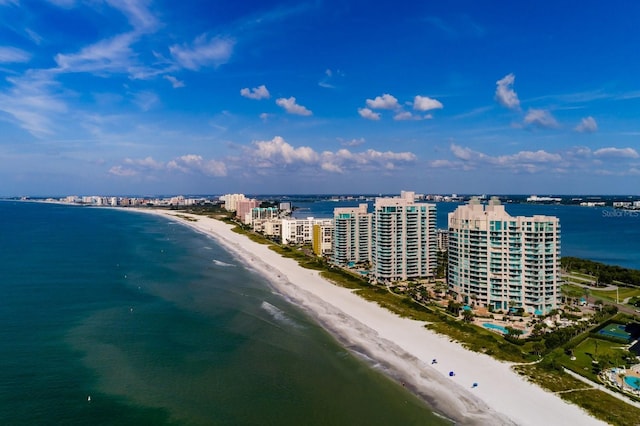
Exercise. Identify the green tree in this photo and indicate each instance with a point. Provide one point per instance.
(538, 348)
(467, 315)
(513, 332)
(454, 307)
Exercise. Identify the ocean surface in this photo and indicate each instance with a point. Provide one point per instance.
(602, 234)
(118, 318)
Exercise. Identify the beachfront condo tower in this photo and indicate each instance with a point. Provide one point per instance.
(503, 262)
(403, 239)
(352, 235)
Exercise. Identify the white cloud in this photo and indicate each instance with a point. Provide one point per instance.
(404, 115)
(505, 95)
(587, 125)
(147, 163)
(122, 171)
(174, 81)
(368, 114)
(529, 161)
(109, 55)
(259, 92)
(195, 163)
(278, 155)
(616, 152)
(264, 116)
(541, 118)
(424, 103)
(186, 164)
(204, 52)
(292, 107)
(385, 101)
(279, 151)
(34, 102)
(12, 55)
(137, 13)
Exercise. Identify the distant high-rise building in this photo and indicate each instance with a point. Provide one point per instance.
(403, 239)
(352, 235)
(503, 262)
(322, 238)
(243, 209)
(443, 239)
(231, 201)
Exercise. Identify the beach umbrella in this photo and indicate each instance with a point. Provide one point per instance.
(451, 374)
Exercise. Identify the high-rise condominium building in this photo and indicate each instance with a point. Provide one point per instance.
(351, 235)
(504, 262)
(403, 239)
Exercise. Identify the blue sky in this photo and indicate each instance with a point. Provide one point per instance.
(160, 97)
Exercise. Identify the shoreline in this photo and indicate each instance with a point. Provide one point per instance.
(402, 348)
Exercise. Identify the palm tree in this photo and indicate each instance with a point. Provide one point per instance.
(467, 315)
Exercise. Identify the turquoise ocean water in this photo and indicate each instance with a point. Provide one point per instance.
(159, 325)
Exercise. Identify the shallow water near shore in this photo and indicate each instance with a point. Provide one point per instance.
(158, 325)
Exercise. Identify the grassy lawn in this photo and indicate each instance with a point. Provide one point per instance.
(573, 290)
(608, 354)
(623, 293)
(600, 404)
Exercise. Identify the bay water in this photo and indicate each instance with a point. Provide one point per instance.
(602, 234)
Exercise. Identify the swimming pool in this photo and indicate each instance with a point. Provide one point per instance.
(495, 327)
(633, 381)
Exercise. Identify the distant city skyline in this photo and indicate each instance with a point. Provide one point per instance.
(324, 97)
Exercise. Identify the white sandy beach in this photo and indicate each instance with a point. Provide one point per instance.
(403, 348)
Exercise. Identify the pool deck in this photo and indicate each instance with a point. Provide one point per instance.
(480, 322)
(615, 376)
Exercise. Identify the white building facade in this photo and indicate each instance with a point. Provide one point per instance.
(403, 239)
(352, 235)
(504, 262)
(300, 231)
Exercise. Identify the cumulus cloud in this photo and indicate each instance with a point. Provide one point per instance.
(147, 163)
(530, 161)
(386, 101)
(195, 163)
(203, 52)
(505, 95)
(290, 105)
(368, 114)
(616, 152)
(540, 118)
(259, 92)
(174, 81)
(186, 164)
(424, 103)
(404, 115)
(271, 157)
(277, 154)
(587, 125)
